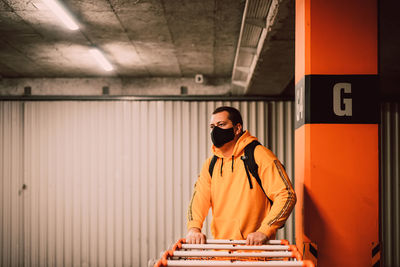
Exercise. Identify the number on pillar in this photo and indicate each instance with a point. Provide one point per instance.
(299, 104)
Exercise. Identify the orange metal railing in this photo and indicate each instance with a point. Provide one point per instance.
(232, 253)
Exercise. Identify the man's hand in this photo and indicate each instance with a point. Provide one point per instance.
(256, 238)
(194, 236)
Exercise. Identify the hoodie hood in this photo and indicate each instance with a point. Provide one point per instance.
(241, 143)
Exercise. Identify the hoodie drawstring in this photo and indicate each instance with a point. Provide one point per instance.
(222, 163)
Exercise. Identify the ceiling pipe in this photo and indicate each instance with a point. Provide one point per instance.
(240, 82)
(259, 22)
(250, 50)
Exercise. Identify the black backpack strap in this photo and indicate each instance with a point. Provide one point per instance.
(250, 163)
(212, 164)
(244, 158)
(253, 167)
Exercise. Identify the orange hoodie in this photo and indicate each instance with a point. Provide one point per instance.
(238, 210)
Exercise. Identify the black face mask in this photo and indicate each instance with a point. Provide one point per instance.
(221, 136)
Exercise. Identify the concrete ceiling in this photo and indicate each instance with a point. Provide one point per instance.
(160, 39)
(142, 38)
(158, 46)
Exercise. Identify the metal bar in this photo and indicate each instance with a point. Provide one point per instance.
(175, 263)
(200, 253)
(243, 242)
(234, 247)
(147, 98)
(226, 241)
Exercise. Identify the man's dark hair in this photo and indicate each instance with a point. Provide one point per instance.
(234, 114)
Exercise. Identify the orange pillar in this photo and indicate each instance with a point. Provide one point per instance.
(336, 136)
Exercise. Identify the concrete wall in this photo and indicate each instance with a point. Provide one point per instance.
(116, 86)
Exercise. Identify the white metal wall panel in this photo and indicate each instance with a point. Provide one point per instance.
(109, 182)
(390, 183)
(11, 173)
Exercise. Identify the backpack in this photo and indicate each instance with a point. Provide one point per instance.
(249, 162)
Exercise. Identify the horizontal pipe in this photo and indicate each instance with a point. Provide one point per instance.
(234, 247)
(145, 98)
(243, 242)
(200, 253)
(174, 263)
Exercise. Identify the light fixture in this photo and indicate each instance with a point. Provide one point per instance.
(101, 59)
(59, 10)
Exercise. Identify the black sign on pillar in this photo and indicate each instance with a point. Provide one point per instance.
(352, 99)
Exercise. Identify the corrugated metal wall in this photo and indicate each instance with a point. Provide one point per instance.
(11, 181)
(390, 183)
(107, 183)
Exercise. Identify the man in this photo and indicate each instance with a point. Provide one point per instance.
(241, 208)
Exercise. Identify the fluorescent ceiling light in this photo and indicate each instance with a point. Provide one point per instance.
(101, 59)
(57, 8)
